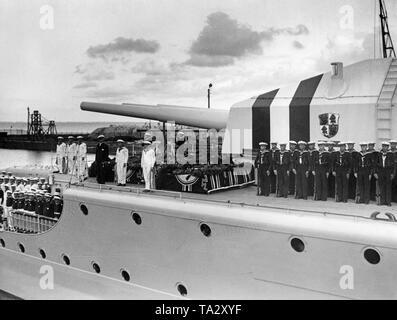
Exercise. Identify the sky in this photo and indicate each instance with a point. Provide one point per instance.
(58, 53)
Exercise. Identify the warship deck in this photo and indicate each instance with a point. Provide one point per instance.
(246, 196)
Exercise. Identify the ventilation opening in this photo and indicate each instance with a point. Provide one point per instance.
(42, 253)
(372, 256)
(182, 289)
(96, 267)
(337, 70)
(21, 247)
(297, 244)
(66, 259)
(125, 275)
(137, 218)
(2, 242)
(205, 229)
(84, 209)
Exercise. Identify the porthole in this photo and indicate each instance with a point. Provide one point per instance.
(66, 259)
(372, 256)
(2, 242)
(21, 247)
(137, 218)
(205, 229)
(297, 244)
(181, 289)
(96, 267)
(125, 275)
(84, 209)
(42, 253)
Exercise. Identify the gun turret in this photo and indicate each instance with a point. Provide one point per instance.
(194, 117)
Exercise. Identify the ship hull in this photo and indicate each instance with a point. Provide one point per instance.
(245, 252)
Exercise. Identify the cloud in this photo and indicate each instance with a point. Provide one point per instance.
(109, 93)
(85, 85)
(297, 44)
(80, 69)
(202, 60)
(347, 47)
(95, 75)
(224, 39)
(223, 36)
(122, 45)
(297, 31)
(152, 67)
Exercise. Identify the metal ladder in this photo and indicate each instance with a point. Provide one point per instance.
(384, 106)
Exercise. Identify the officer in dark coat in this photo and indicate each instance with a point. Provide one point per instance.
(320, 171)
(331, 177)
(310, 180)
(301, 169)
(384, 173)
(352, 179)
(393, 149)
(282, 167)
(101, 157)
(292, 150)
(273, 179)
(342, 169)
(263, 163)
(373, 182)
(363, 166)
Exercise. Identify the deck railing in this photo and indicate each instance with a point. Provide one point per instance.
(28, 222)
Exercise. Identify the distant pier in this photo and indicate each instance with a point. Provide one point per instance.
(34, 143)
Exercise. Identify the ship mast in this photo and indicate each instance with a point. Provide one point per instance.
(387, 42)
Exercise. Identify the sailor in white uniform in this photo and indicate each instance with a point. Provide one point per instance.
(28, 184)
(34, 183)
(19, 183)
(71, 150)
(81, 153)
(121, 163)
(147, 163)
(61, 159)
(22, 186)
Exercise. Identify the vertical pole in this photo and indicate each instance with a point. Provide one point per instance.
(27, 131)
(208, 96)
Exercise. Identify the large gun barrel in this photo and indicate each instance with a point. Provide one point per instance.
(194, 117)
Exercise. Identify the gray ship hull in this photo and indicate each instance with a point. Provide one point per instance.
(246, 255)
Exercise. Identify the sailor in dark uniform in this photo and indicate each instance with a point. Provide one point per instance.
(321, 168)
(331, 177)
(1, 190)
(263, 163)
(310, 180)
(282, 165)
(384, 173)
(292, 150)
(301, 169)
(393, 149)
(342, 169)
(373, 182)
(273, 175)
(101, 157)
(352, 178)
(362, 167)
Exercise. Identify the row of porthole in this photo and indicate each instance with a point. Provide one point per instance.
(371, 255)
(135, 216)
(124, 273)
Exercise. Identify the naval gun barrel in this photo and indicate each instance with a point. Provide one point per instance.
(188, 116)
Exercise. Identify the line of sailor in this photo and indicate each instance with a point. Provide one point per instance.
(30, 195)
(361, 175)
(71, 157)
